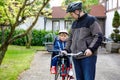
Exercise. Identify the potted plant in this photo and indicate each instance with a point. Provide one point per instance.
(114, 46)
(116, 24)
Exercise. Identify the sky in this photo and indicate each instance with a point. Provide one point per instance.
(55, 2)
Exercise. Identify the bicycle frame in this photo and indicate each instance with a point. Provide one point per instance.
(62, 70)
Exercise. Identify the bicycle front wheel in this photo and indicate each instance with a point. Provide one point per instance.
(57, 75)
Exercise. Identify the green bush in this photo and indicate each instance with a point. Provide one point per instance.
(0, 36)
(38, 37)
(116, 23)
(20, 41)
(6, 32)
(115, 37)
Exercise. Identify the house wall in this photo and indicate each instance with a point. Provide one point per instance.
(109, 28)
(111, 6)
(62, 24)
(48, 25)
(26, 24)
(39, 25)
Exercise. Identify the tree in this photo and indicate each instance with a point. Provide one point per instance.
(15, 12)
(116, 23)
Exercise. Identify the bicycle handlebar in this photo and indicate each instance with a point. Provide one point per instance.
(77, 54)
(69, 54)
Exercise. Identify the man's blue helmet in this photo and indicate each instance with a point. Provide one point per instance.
(74, 6)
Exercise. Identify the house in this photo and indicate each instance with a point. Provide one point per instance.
(110, 7)
(59, 21)
(55, 23)
(39, 25)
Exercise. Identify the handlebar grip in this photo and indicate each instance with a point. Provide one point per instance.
(80, 53)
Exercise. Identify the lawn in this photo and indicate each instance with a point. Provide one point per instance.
(16, 60)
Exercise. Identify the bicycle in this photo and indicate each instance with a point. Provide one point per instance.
(62, 72)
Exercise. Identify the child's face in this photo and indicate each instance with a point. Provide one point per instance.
(63, 36)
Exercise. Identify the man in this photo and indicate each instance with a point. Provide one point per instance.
(85, 35)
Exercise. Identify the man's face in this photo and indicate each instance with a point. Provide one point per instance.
(75, 14)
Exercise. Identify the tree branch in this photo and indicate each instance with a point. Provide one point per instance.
(21, 35)
(18, 15)
(13, 26)
(30, 3)
(8, 17)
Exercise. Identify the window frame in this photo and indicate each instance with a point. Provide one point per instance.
(108, 3)
(58, 27)
(66, 24)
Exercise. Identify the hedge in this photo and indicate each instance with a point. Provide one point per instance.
(38, 37)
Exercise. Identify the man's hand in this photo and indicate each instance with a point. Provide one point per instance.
(88, 52)
(64, 52)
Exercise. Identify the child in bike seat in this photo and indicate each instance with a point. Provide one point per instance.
(59, 44)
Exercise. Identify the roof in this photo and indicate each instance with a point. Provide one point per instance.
(98, 11)
(58, 12)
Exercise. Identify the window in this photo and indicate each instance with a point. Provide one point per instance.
(118, 3)
(56, 25)
(68, 24)
(115, 3)
(112, 4)
(107, 7)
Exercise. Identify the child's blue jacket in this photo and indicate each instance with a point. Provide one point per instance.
(58, 44)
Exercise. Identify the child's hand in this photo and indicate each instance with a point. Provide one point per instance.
(64, 52)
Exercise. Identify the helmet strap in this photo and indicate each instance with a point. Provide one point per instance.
(78, 14)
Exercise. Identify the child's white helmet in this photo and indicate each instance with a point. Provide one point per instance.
(63, 31)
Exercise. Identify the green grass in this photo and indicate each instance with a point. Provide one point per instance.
(16, 60)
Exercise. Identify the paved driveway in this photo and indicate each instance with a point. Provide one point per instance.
(108, 67)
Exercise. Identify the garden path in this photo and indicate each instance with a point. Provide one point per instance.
(108, 67)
